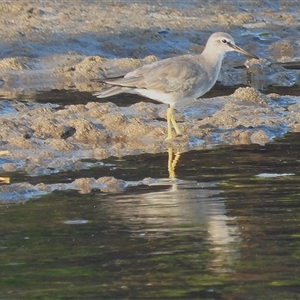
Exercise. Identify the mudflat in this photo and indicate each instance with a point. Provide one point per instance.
(62, 45)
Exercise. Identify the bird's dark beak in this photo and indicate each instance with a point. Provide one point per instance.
(240, 50)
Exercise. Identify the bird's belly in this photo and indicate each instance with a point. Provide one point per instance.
(167, 98)
(200, 91)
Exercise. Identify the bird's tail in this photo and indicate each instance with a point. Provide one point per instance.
(114, 90)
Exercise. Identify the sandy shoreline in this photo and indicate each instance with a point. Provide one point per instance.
(52, 45)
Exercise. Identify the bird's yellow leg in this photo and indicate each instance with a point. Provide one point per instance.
(171, 121)
(174, 123)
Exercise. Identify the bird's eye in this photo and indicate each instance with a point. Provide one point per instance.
(224, 41)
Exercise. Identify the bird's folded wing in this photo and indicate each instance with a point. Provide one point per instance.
(170, 75)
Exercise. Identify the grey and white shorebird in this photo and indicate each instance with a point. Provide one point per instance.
(177, 79)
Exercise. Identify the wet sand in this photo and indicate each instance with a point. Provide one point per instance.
(47, 46)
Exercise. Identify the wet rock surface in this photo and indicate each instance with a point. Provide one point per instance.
(46, 46)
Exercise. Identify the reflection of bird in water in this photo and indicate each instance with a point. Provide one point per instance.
(177, 79)
(183, 208)
(172, 162)
(197, 205)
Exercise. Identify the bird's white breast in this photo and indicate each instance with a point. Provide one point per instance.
(167, 98)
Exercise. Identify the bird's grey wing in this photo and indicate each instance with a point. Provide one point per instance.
(177, 75)
(115, 89)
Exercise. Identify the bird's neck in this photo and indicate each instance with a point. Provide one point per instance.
(213, 61)
(212, 56)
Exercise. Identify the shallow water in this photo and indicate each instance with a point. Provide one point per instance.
(226, 228)
(73, 97)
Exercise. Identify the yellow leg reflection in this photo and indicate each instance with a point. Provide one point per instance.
(172, 162)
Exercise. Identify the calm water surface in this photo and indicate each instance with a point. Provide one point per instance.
(229, 229)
